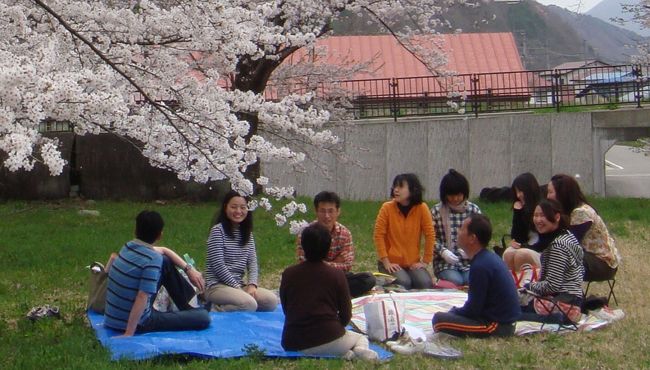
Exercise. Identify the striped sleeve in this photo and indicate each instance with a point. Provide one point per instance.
(253, 268)
(216, 257)
(561, 268)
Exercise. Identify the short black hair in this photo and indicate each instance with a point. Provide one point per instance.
(315, 241)
(480, 226)
(327, 197)
(148, 226)
(453, 183)
(415, 187)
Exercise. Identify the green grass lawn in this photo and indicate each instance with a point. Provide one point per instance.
(44, 248)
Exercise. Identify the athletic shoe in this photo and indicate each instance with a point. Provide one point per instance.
(401, 340)
(409, 348)
(366, 354)
(440, 350)
(349, 356)
(43, 311)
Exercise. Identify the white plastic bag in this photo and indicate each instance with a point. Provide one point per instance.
(384, 319)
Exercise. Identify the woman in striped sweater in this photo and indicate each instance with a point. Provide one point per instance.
(231, 254)
(562, 270)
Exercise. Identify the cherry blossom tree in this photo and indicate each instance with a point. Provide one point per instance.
(640, 13)
(184, 78)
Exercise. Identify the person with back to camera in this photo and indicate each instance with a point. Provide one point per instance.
(492, 305)
(341, 254)
(601, 258)
(562, 270)
(520, 258)
(450, 262)
(400, 224)
(231, 254)
(316, 303)
(135, 276)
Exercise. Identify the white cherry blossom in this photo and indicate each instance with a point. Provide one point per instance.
(184, 78)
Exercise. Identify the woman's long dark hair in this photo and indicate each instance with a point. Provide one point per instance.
(568, 193)
(527, 183)
(245, 227)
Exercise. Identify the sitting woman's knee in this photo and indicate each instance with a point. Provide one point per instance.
(451, 275)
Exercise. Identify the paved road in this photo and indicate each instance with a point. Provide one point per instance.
(627, 173)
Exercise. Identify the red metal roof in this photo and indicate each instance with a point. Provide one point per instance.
(466, 53)
(491, 53)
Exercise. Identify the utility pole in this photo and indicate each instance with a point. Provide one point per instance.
(548, 57)
(524, 51)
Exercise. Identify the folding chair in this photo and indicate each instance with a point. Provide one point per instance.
(610, 282)
(555, 310)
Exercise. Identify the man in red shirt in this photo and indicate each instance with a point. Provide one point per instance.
(341, 253)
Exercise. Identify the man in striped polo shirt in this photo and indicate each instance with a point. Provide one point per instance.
(135, 276)
(492, 305)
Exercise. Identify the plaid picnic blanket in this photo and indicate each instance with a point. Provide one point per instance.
(421, 305)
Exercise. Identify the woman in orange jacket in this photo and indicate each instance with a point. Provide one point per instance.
(400, 224)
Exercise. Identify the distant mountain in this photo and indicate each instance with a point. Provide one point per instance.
(546, 35)
(609, 42)
(608, 9)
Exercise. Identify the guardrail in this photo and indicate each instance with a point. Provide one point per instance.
(473, 93)
(478, 93)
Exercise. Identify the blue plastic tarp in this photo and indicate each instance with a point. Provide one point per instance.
(228, 336)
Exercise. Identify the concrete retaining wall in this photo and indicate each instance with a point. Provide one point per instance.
(490, 150)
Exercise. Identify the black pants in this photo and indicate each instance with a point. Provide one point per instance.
(597, 269)
(179, 289)
(181, 292)
(360, 283)
(461, 326)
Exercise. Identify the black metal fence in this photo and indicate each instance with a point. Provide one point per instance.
(477, 93)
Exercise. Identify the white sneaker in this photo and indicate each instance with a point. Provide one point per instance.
(402, 340)
(366, 354)
(349, 356)
(441, 350)
(411, 347)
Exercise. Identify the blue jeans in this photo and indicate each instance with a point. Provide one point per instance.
(410, 279)
(455, 276)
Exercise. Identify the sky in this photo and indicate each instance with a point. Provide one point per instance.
(578, 6)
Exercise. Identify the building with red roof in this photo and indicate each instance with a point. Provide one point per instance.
(477, 64)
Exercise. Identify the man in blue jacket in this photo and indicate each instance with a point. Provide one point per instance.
(492, 305)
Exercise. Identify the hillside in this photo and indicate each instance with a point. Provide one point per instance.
(546, 35)
(608, 9)
(611, 43)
